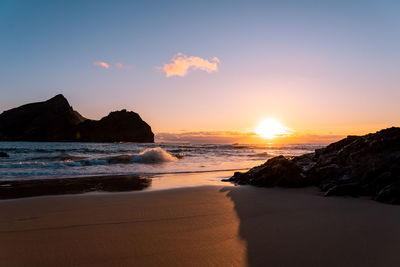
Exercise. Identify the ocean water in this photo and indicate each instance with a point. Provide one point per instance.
(37, 160)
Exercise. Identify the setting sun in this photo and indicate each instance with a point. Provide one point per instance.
(271, 128)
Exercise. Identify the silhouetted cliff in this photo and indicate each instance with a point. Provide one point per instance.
(117, 126)
(43, 121)
(55, 120)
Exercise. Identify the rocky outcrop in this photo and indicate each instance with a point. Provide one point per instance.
(55, 120)
(50, 120)
(4, 155)
(117, 126)
(278, 171)
(366, 165)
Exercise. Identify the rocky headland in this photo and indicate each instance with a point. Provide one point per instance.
(366, 165)
(56, 120)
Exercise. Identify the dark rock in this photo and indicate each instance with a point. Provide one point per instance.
(357, 165)
(389, 194)
(117, 126)
(306, 161)
(327, 185)
(278, 171)
(50, 120)
(240, 178)
(351, 189)
(55, 120)
(4, 155)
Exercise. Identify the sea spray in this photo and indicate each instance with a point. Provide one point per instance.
(35, 160)
(154, 155)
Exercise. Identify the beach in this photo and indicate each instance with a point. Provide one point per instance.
(200, 133)
(199, 226)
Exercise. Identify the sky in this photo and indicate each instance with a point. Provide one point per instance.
(209, 69)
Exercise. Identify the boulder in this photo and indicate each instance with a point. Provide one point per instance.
(351, 189)
(4, 155)
(278, 171)
(389, 194)
(357, 165)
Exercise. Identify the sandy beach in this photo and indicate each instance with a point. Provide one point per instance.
(200, 133)
(199, 226)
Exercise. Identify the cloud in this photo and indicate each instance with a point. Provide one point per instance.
(180, 64)
(202, 136)
(101, 64)
(231, 137)
(121, 66)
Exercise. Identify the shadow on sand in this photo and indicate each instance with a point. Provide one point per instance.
(298, 227)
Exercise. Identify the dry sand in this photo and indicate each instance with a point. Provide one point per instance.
(201, 226)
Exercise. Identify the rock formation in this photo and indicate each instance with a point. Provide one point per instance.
(4, 155)
(55, 120)
(50, 120)
(366, 165)
(117, 126)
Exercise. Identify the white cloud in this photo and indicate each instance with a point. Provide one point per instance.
(121, 66)
(180, 64)
(101, 64)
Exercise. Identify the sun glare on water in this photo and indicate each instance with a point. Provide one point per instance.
(271, 128)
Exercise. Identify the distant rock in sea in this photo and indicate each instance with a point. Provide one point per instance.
(55, 120)
(4, 155)
(366, 165)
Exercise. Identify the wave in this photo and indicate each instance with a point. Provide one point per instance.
(65, 150)
(262, 155)
(180, 155)
(120, 159)
(53, 174)
(62, 157)
(154, 155)
(147, 156)
(307, 147)
(55, 159)
(38, 164)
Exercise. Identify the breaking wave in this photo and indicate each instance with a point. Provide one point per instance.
(154, 155)
(147, 156)
(258, 155)
(62, 156)
(31, 159)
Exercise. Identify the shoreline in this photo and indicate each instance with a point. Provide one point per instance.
(76, 185)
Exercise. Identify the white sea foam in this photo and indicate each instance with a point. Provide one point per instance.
(34, 160)
(154, 155)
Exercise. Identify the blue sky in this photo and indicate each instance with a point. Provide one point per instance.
(325, 67)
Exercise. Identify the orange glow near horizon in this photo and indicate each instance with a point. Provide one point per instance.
(271, 128)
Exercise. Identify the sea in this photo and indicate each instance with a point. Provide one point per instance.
(170, 164)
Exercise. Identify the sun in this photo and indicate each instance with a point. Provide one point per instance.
(271, 128)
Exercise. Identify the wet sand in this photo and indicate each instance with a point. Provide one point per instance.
(199, 226)
(76, 185)
(11, 189)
